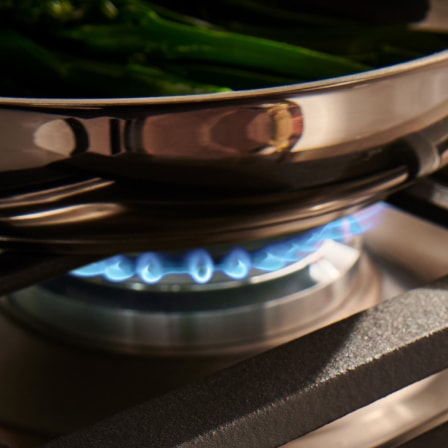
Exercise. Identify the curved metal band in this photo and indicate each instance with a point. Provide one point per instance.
(344, 115)
(219, 168)
(84, 224)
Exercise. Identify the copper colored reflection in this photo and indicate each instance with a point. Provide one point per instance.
(218, 132)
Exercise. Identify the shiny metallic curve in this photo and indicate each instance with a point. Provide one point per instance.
(90, 227)
(269, 161)
(376, 106)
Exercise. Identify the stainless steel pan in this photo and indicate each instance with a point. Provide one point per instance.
(101, 176)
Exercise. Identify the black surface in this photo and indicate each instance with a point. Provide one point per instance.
(378, 11)
(436, 438)
(428, 198)
(284, 393)
(21, 269)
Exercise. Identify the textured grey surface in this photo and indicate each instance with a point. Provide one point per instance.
(291, 390)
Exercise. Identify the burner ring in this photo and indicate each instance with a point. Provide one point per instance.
(339, 281)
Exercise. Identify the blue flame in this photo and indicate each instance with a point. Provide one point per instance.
(149, 268)
(265, 260)
(119, 268)
(91, 270)
(152, 267)
(200, 265)
(236, 264)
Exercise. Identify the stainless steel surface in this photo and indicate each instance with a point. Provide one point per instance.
(332, 116)
(100, 225)
(343, 115)
(412, 243)
(212, 169)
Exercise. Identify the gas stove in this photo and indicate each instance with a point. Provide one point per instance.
(254, 269)
(129, 328)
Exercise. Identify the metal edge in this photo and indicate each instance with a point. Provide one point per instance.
(439, 58)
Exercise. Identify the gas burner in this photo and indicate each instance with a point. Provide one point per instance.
(43, 368)
(220, 300)
(217, 267)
